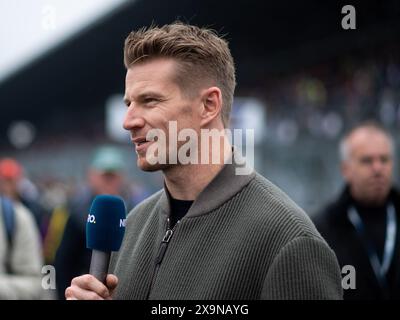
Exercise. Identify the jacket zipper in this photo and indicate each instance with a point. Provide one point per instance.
(161, 252)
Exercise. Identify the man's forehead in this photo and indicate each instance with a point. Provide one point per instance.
(370, 142)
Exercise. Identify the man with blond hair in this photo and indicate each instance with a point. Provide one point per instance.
(211, 232)
(361, 225)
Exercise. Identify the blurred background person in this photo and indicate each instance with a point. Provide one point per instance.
(20, 247)
(105, 176)
(361, 225)
(16, 186)
(54, 196)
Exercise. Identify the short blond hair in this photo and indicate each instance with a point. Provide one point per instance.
(201, 55)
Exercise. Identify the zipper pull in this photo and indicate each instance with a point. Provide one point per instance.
(163, 246)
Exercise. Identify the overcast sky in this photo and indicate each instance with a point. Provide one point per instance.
(30, 27)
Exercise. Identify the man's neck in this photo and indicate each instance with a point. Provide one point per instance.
(186, 182)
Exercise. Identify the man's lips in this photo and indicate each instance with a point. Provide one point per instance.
(140, 143)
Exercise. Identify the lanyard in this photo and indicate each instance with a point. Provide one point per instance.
(380, 269)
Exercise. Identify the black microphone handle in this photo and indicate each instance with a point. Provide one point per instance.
(99, 265)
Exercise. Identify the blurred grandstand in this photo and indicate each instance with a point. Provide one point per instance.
(311, 78)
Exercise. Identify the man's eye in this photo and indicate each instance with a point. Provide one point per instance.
(366, 160)
(151, 100)
(385, 159)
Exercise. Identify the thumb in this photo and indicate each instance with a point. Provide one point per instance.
(111, 283)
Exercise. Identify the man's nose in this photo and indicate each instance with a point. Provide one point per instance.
(378, 165)
(133, 119)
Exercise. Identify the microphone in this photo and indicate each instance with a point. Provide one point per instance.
(105, 228)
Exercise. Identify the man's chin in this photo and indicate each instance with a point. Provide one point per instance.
(378, 197)
(144, 165)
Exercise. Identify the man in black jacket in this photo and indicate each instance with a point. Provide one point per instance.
(361, 226)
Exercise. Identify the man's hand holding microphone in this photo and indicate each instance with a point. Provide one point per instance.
(105, 230)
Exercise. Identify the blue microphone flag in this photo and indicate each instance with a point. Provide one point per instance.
(105, 225)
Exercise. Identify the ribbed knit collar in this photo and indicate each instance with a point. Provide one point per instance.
(223, 187)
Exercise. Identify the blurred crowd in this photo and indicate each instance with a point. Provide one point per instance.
(328, 98)
(45, 222)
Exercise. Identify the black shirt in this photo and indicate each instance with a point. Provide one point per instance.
(178, 210)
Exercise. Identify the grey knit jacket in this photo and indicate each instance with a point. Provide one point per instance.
(242, 238)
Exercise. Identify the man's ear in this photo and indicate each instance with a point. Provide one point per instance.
(211, 105)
